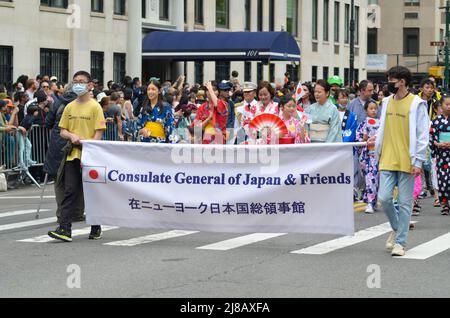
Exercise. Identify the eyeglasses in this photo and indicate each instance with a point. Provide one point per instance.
(80, 82)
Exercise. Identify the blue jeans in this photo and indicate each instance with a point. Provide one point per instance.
(399, 219)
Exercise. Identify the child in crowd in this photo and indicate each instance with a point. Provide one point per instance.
(296, 128)
(348, 118)
(440, 147)
(417, 190)
(368, 161)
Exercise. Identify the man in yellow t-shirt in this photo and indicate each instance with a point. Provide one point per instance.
(82, 119)
(401, 144)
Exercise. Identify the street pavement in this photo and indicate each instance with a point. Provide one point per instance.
(187, 264)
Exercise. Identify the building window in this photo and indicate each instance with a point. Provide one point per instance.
(198, 65)
(326, 72)
(292, 17)
(199, 11)
(97, 6)
(356, 25)
(248, 15)
(372, 41)
(271, 15)
(97, 65)
(119, 7)
(336, 71)
(222, 71)
(144, 9)
(326, 16)
(222, 13)
(293, 71)
(346, 75)
(314, 74)
(337, 14)
(315, 18)
(6, 66)
(356, 75)
(259, 72)
(119, 67)
(412, 3)
(55, 3)
(347, 24)
(248, 72)
(55, 63)
(164, 9)
(272, 72)
(411, 45)
(260, 15)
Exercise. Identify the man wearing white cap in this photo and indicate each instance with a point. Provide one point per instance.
(243, 111)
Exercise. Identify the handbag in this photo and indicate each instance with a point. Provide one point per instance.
(444, 137)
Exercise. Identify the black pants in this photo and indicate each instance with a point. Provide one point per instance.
(73, 189)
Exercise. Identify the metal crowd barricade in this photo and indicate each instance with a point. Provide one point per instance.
(112, 132)
(39, 137)
(19, 152)
(9, 152)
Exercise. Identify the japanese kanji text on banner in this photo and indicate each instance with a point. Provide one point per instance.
(216, 188)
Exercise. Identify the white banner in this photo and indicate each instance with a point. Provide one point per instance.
(214, 188)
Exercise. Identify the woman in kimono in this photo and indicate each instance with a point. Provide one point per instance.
(326, 123)
(440, 149)
(155, 121)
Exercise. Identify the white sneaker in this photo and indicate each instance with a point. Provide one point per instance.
(398, 250)
(390, 243)
(369, 209)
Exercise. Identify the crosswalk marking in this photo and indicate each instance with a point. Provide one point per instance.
(240, 241)
(23, 212)
(13, 226)
(84, 231)
(429, 249)
(151, 238)
(20, 198)
(333, 245)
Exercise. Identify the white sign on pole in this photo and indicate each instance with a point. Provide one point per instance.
(377, 62)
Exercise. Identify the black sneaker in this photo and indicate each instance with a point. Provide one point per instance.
(61, 234)
(96, 232)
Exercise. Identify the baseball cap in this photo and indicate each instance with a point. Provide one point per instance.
(100, 96)
(9, 102)
(249, 87)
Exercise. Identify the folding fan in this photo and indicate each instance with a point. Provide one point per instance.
(269, 121)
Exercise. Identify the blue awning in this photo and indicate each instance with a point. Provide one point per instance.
(229, 46)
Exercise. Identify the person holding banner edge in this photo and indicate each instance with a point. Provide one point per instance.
(82, 119)
(401, 145)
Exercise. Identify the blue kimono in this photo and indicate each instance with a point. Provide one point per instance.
(349, 127)
(165, 118)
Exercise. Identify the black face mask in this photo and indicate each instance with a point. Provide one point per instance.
(392, 89)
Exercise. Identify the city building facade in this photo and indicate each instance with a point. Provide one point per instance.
(58, 37)
(407, 33)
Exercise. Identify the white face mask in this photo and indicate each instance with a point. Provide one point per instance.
(80, 89)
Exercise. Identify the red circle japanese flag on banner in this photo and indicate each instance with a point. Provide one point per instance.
(94, 174)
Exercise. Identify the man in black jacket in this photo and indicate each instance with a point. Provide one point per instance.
(55, 153)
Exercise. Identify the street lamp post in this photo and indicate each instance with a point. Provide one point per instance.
(447, 38)
(447, 49)
(352, 43)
